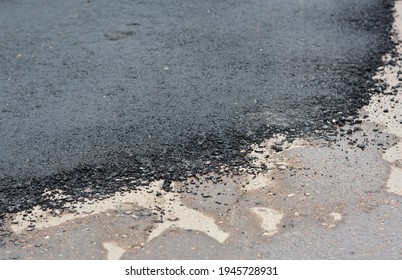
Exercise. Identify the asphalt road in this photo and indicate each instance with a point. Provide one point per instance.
(166, 88)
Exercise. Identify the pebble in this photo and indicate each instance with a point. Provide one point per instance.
(57, 212)
(277, 148)
(114, 36)
(361, 146)
(171, 217)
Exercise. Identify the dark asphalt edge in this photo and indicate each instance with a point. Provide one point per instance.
(202, 157)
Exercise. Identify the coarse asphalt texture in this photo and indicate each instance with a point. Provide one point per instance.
(164, 89)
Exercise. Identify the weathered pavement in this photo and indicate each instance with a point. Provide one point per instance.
(317, 202)
(334, 198)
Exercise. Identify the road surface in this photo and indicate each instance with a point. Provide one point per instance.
(99, 96)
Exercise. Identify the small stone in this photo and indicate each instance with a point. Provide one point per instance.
(171, 217)
(349, 119)
(128, 212)
(307, 194)
(167, 186)
(361, 146)
(57, 212)
(114, 36)
(277, 148)
(87, 190)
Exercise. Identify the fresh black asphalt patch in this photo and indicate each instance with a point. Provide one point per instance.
(166, 89)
